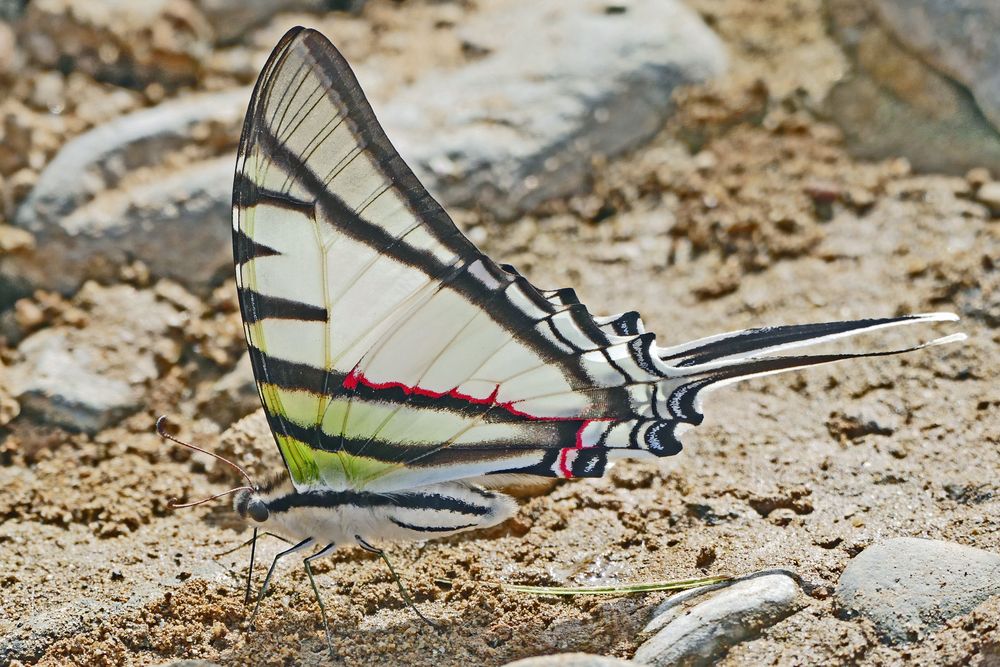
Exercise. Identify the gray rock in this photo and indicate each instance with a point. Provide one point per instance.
(177, 225)
(570, 660)
(106, 198)
(86, 379)
(956, 37)
(107, 156)
(522, 124)
(11, 10)
(505, 132)
(901, 99)
(232, 19)
(908, 586)
(61, 383)
(703, 634)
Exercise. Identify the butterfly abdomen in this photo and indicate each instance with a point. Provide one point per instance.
(423, 513)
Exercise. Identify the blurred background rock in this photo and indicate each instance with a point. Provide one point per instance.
(515, 122)
(925, 81)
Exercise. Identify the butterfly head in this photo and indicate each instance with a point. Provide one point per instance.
(253, 503)
(250, 504)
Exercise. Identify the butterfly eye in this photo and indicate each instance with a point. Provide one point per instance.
(257, 510)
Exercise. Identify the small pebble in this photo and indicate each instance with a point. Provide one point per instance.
(13, 239)
(703, 634)
(978, 177)
(989, 194)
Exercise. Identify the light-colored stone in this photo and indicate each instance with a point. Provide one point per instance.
(570, 660)
(250, 442)
(14, 239)
(9, 408)
(522, 124)
(908, 586)
(107, 198)
(86, 379)
(61, 382)
(989, 194)
(705, 632)
(107, 157)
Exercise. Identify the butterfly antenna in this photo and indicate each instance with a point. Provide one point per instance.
(161, 429)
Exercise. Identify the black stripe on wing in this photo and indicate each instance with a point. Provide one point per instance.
(646, 437)
(352, 224)
(403, 452)
(247, 193)
(289, 374)
(341, 80)
(245, 248)
(753, 340)
(627, 324)
(264, 306)
(557, 463)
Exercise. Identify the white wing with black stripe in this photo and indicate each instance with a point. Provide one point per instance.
(390, 353)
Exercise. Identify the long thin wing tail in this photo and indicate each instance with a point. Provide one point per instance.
(739, 345)
(728, 364)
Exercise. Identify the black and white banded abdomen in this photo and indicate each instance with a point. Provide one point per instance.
(336, 517)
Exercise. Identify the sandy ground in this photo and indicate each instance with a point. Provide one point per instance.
(712, 227)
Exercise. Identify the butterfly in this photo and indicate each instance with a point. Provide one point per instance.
(404, 374)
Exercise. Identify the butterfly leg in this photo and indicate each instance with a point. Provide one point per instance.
(322, 609)
(402, 589)
(301, 545)
(253, 554)
(253, 550)
(249, 542)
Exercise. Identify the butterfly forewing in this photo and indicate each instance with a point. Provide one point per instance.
(341, 256)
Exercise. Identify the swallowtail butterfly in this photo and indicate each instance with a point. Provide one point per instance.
(405, 375)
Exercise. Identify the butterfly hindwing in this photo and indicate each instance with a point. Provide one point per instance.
(390, 353)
